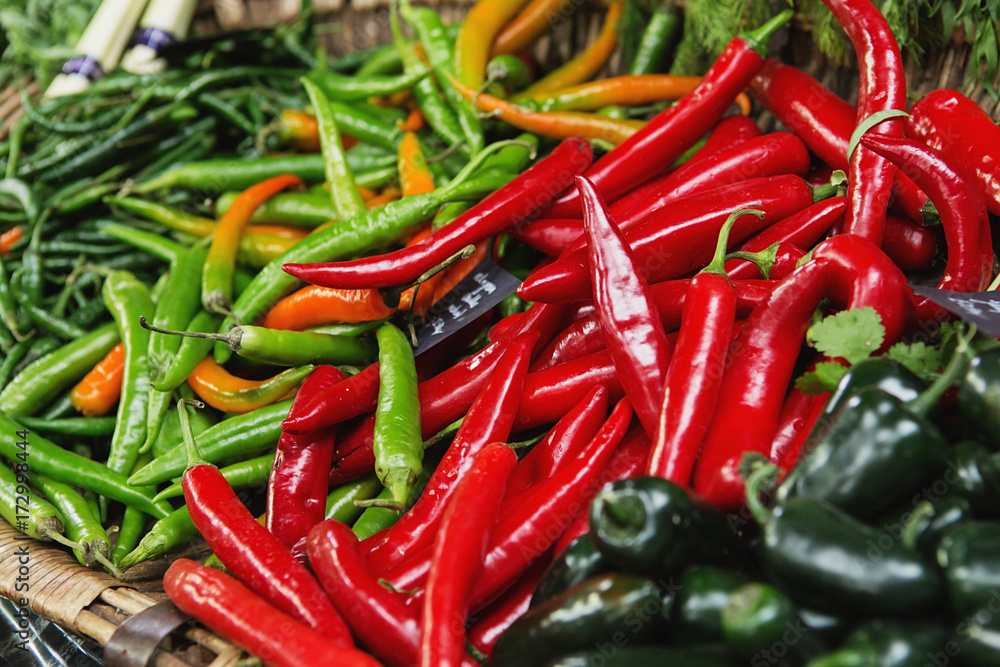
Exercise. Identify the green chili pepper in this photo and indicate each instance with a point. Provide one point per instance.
(47, 458)
(979, 396)
(344, 194)
(251, 472)
(703, 592)
(128, 299)
(341, 87)
(79, 523)
(824, 558)
(649, 524)
(340, 503)
(760, 620)
(289, 208)
(76, 426)
(885, 643)
(579, 561)
(170, 430)
(50, 324)
(171, 532)
(398, 445)
(38, 384)
(154, 244)
(189, 354)
(658, 40)
(509, 71)
(876, 451)
(133, 525)
(248, 433)
(382, 60)
(20, 505)
(606, 608)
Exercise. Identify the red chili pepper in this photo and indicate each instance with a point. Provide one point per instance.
(728, 133)
(531, 523)
(488, 420)
(250, 551)
(693, 381)
(506, 609)
(517, 200)
(802, 229)
(824, 121)
(625, 309)
(678, 238)
(297, 488)
(948, 121)
(583, 335)
(466, 529)
(443, 398)
(963, 214)
(380, 618)
(563, 442)
(773, 154)
(672, 131)
(911, 245)
(851, 271)
(882, 87)
(235, 612)
(797, 416)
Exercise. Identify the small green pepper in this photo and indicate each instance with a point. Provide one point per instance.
(652, 525)
(761, 620)
(579, 561)
(703, 593)
(604, 609)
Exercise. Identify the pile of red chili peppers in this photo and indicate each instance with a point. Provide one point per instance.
(673, 282)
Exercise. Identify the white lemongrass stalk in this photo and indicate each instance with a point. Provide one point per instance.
(102, 43)
(165, 21)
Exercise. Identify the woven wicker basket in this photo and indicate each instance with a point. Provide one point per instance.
(135, 613)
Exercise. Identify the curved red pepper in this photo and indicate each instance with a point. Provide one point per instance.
(948, 121)
(379, 617)
(678, 238)
(459, 548)
(229, 608)
(506, 609)
(668, 134)
(851, 271)
(824, 121)
(254, 555)
(797, 417)
(625, 309)
(882, 87)
(521, 198)
(963, 213)
(297, 487)
(488, 420)
(911, 245)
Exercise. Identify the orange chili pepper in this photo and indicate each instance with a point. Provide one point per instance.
(553, 124)
(315, 306)
(414, 175)
(626, 90)
(229, 393)
(10, 237)
(99, 390)
(413, 122)
(388, 194)
(585, 64)
(279, 231)
(475, 37)
(455, 273)
(530, 23)
(300, 130)
(217, 278)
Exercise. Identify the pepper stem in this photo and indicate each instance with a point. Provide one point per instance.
(930, 397)
(108, 565)
(757, 39)
(912, 526)
(391, 295)
(764, 259)
(230, 338)
(718, 263)
(190, 446)
(762, 472)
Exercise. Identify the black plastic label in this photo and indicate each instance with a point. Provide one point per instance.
(980, 308)
(486, 286)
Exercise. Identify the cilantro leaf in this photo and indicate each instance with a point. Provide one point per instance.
(825, 377)
(920, 358)
(850, 334)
